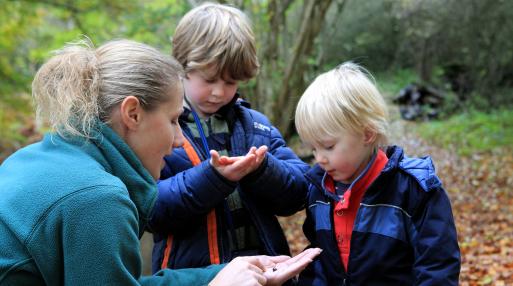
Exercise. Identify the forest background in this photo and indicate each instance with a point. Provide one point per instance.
(462, 50)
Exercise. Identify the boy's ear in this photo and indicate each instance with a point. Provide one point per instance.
(131, 112)
(369, 136)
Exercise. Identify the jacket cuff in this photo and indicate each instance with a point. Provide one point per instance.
(265, 174)
(259, 172)
(215, 179)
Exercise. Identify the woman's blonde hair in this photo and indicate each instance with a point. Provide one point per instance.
(219, 37)
(342, 100)
(81, 85)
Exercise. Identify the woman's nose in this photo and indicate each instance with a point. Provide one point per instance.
(179, 139)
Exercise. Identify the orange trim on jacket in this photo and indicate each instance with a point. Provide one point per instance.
(211, 218)
(344, 211)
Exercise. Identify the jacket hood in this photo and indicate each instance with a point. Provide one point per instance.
(422, 169)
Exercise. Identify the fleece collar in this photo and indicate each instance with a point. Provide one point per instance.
(118, 159)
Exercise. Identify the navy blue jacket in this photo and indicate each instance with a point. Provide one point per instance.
(187, 194)
(403, 234)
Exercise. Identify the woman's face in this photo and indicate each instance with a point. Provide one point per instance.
(158, 133)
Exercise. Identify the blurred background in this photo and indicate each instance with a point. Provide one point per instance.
(444, 66)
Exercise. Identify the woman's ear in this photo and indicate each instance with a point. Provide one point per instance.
(131, 112)
(369, 136)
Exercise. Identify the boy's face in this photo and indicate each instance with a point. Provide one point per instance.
(208, 93)
(345, 157)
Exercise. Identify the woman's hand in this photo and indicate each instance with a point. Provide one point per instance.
(263, 270)
(282, 271)
(242, 271)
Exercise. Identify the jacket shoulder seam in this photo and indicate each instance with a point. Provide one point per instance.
(15, 266)
(387, 205)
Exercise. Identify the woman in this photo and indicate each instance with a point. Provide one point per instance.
(74, 205)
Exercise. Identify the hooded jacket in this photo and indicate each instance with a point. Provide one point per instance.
(187, 233)
(403, 234)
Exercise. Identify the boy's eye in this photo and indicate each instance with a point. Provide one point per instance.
(330, 147)
(210, 80)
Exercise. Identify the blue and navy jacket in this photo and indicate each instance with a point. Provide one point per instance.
(187, 233)
(403, 234)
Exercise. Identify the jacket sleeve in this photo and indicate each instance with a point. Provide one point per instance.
(187, 195)
(313, 273)
(279, 183)
(98, 232)
(437, 254)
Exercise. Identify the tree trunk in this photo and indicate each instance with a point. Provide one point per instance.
(292, 84)
(265, 87)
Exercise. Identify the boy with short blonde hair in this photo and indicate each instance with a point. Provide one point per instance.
(342, 99)
(381, 217)
(219, 195)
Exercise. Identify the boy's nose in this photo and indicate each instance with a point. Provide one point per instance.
(218, 90)
(320, 158)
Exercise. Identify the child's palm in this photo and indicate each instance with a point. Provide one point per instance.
(235, 168)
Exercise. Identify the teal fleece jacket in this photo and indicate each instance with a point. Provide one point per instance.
(72, 212)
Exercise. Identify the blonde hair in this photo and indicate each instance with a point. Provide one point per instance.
(342, 100)
(81, 85)
(219, 37)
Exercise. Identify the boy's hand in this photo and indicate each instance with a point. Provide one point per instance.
(260, 156)
(235, 168)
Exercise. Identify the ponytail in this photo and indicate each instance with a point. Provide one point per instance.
(66, 90)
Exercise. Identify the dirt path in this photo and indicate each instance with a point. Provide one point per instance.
(481, 192)
(480, 188)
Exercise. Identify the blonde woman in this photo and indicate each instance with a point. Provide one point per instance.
(75, 204)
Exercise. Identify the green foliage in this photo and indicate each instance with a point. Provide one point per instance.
(31, 30)
(15, 116)
(459, 45)
(441, 42)
(16, 20)
(390, 83)
(471, 132)
(363, 31)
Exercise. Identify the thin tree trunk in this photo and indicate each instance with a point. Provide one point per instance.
(293, 80)
(264, 91)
